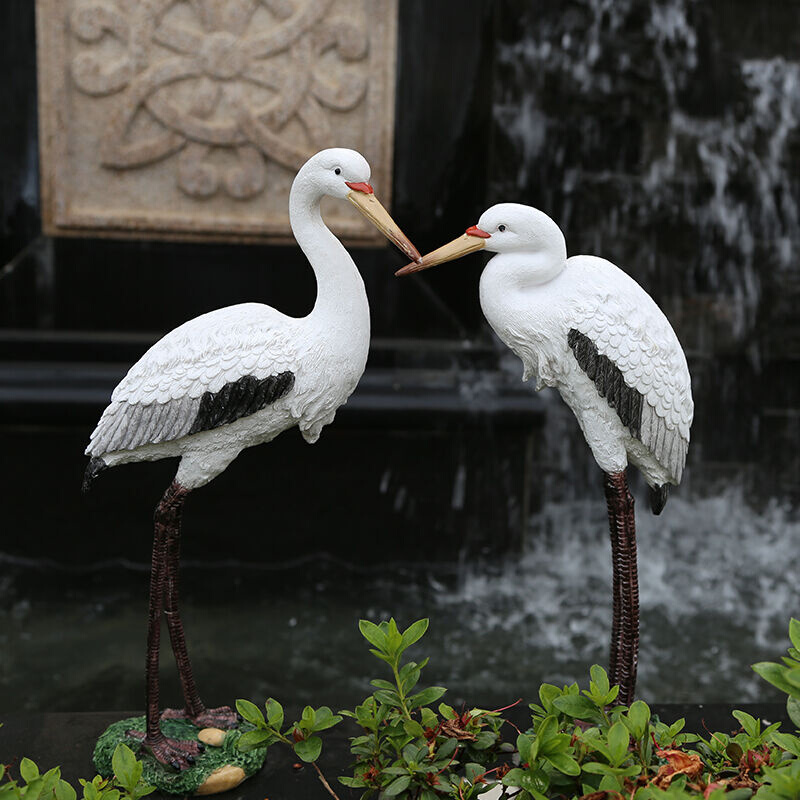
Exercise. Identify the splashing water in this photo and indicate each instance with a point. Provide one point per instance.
(721, 178)
(717, 589)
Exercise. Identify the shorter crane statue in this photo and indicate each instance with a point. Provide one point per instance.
(234, 378)
(582, 325)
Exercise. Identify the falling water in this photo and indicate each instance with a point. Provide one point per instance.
(713, 592)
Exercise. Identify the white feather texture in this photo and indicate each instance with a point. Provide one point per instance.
(533, 296)
(322, 356)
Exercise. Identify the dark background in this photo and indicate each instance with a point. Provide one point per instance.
(664, 136)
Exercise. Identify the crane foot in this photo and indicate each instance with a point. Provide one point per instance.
(223, 717)
(177, 754)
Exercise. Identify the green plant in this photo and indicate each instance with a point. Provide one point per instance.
(786, 676)
(408, 749)
(126, 784)
(580, 743)
(301, 736)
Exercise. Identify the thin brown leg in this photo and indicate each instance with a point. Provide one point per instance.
(625, 627)
(177, 639)
(613, 658)
(168, 751)
(194, 708)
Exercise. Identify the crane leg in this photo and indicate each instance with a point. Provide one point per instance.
(194, 709)
(178, 754)
(625, 627)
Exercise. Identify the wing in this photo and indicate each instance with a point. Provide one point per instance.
(207, 372)
(625, 344)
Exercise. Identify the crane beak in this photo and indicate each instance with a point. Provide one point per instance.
(472, 241)
(363, 198)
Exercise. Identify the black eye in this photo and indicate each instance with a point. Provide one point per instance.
(501, 227)
(338, 171)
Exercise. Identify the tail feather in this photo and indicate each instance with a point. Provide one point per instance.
(95, 466)
(658, 497)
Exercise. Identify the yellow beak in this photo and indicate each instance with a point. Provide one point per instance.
(472, 241)
(362, 197)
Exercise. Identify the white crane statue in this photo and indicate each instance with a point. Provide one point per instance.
(582, 325)
(231, 379)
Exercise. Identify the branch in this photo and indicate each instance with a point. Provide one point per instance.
(323, 781)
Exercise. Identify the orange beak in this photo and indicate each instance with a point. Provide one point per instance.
(473, 240)
(362, 196)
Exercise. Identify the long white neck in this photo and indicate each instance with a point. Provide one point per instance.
(341, 297)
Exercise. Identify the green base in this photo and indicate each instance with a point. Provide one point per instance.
(165, 778)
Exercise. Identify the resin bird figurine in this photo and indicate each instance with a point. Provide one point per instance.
(585, 327)
(234, 378)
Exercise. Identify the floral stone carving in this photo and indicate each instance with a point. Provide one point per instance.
(189, 118)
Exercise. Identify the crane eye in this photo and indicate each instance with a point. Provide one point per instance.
(501, 228)
(338, 171)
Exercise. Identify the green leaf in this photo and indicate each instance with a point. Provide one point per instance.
(564, 763)
(309, 749)
(638, 718)
(793, 710)
(577, 706)
(787, 742)
(414, 632)
(524, 747)
(484, 740)
(609, 784)
(388, 698)
(324, 718)
(34, 788)
(447, 711)
(275, 715)
(251, 712)
(600, 679)
(447, 748)
(413, 728)
(513, 777)
(28, 770)
(64, 791)
(548, 729)
(373, 634)
(396, 786)
(429, 719)
(307, 719)
(749, 723)
(596, 768)
(618, 741)
(125, 766)
(776, 675)
(252, 739)
(393, 637)
(426, 696)
(548, 693)
(794, 632)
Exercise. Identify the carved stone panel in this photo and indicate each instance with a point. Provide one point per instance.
(189, 118)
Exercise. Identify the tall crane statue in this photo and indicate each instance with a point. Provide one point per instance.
(583, 326)
(234, 378)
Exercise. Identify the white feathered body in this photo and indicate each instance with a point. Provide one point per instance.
(159, 397)
(181, 398)
(592, 296)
